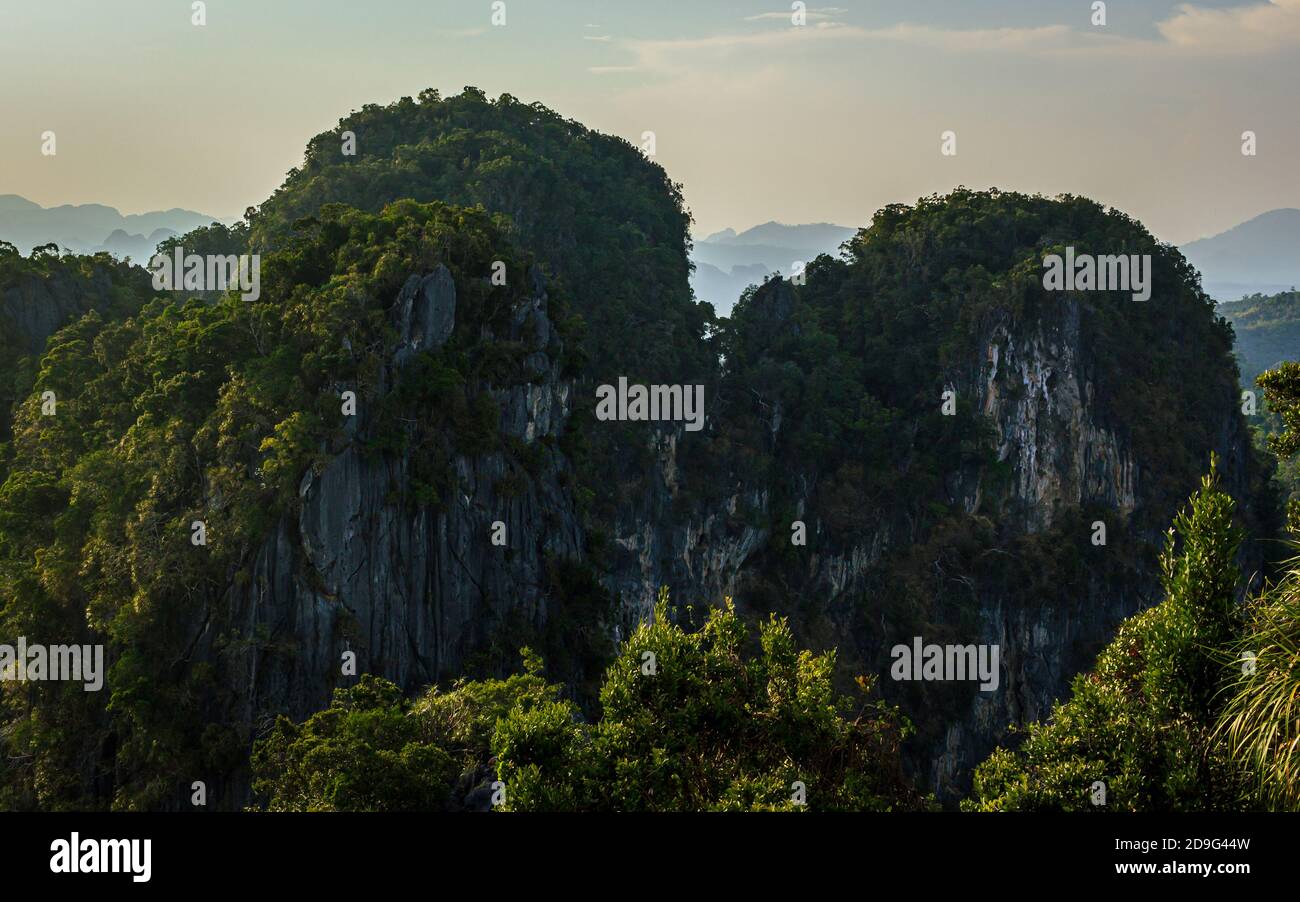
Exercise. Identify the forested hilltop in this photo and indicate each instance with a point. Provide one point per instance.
(608, 224)
(362, 543)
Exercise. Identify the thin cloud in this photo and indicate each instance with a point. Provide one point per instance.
(673, 56)
(1040, 38)
(682, 54)
(1256, 28)
(462, 32)
(825, 12)
(1253, 29)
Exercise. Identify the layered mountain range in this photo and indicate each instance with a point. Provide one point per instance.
(90, 228)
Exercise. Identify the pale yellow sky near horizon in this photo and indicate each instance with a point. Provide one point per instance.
(759, 119)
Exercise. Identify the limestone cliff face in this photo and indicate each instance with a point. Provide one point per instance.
(35, 308)
(1036, 389)
(412, 590)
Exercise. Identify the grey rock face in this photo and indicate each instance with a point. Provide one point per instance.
(413, 591)
(1040, 649)
(432, 314)
(1034, 388)
(35, 309)
(426, 313)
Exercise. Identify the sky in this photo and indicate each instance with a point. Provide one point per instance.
(758, 118)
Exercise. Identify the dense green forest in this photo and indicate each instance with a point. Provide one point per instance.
(608, 226)
(178, 411)
(607, 222)
(903, 315)
(43, 292)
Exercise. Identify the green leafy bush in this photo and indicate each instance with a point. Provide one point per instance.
(1142, 721)
(689, 722)
(1261, 719)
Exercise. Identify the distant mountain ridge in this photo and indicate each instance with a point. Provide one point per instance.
(1259, 256)
(809, 235)
(89, 228)
(727, 262)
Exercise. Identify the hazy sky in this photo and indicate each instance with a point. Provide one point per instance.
(757, 118)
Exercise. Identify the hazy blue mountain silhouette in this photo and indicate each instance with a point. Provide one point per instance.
(727, 262)
(87, 228)
(1261, 255)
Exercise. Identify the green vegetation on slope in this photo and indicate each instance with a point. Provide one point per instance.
(858, 363)
(607, 224)
(607, 221)
(689, 722)
(1267, 329)
(202, 412)
(1268, 334)
(1282, 398)
(43, 292)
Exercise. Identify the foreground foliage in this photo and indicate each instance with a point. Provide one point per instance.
(1261, 720)
(1141, 722)
(690, 722)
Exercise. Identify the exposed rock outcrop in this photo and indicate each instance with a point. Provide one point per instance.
(35, 308)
